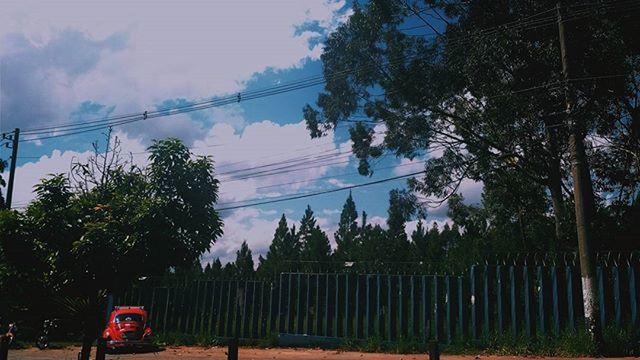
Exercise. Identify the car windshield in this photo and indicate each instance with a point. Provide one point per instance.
(128, 317)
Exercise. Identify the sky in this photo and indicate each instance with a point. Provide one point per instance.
(77, 61)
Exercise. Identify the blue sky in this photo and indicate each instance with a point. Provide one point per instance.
(80, 61)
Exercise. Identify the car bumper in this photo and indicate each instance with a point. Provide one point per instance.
(128, 344)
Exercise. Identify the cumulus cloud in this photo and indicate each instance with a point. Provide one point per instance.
(257, 157)
(144, 55)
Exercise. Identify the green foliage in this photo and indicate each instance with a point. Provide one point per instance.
(484, 98)
(315, 247)
(347, 234)
(244, 262)
(271, 340)
(374, 344)
(284, 250)
(107, 225)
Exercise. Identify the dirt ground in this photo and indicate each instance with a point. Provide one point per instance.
(219, 353)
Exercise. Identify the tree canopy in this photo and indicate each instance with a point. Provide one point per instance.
(96, 234)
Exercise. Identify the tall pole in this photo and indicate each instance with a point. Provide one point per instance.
(583, 199)
(12, 169)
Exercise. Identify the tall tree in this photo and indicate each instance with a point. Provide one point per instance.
(489, 99)
(244, 261)
(347, 233)
(315, 252)
(284, 251)
(402, 206)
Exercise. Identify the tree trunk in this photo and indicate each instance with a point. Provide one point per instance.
(555, 182)
(92, 321)
(555, 189)
(87, 343)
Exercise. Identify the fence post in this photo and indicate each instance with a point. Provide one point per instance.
(601, 297)
(337, 307)
(616, 294)
(306, 305)
(260, 331)
(346, 305)
(298, 299)
(474, 307)
(279, 313)
(389, 308)
(499, 304)
(512, 302)
(541, 313)
(570, 304)
(378, 324)
(461, 309)
(631, 274)
(447, 304)
(486, 318)
(317, 304)
(527, 301)
(219, 318)
(554, 294)
(401, 319)
(412, 305)
(212, 306)
(270, 320)
(367, 319)
(426, 314)
(289, 323)
(356, 321)
(436, 310)
(326, 306)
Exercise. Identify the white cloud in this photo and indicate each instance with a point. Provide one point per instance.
(339, 183)
(260, 148)
(136, 54)
(331, 211)
(407, 166)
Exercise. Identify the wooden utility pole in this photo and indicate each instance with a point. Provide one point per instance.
(583, 199)
(12, 169)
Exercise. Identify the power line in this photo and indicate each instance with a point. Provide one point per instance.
(307, 195)
(88, 126)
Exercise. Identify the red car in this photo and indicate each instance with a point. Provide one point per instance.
(128, 327)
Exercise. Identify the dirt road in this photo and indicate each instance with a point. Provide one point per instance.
(219, 353)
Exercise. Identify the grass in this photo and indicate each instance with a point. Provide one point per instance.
(620, 341)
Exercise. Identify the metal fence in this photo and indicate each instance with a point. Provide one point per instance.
(516, 300)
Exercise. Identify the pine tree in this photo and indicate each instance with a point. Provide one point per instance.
(315, 248)
(244, 261)
(347, 233)
(402, 206)
(283, 252)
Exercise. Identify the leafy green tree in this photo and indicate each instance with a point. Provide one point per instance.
(347, 234)
(120, 224)
(489, 99)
